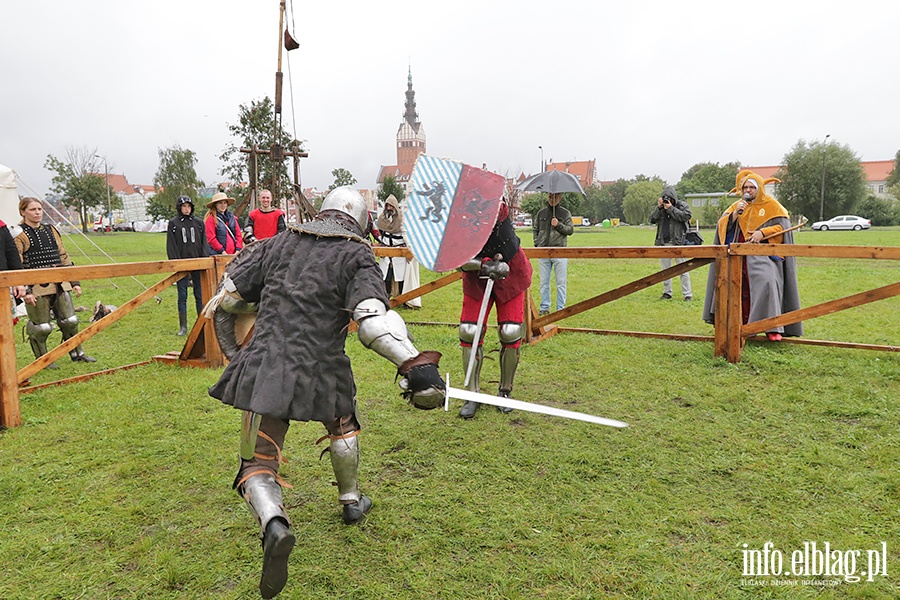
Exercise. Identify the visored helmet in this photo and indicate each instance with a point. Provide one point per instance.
(347, 200)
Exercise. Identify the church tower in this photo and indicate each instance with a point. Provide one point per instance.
(411, 134)
(410, 141)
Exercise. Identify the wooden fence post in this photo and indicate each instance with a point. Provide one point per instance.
(734, 344)
(9, 381)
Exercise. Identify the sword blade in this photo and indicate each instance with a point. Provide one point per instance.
(529, 407)
(488, 287)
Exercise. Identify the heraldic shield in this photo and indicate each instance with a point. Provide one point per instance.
(450, 211)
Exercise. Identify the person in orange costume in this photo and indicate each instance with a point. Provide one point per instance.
(769, 284)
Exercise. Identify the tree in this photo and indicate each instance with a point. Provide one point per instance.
(881, 211)
(176, 176)
(893, 180)
(641, 198)
(706, 178)
(342, 177)
(390, 187)
(607, 203)
(894, 176)
(255, 127)
(801, 179)
(78, 184)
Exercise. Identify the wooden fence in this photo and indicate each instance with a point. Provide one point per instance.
(201, 348)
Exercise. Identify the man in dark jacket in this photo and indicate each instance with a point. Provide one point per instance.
(186, 238)
(671, 216)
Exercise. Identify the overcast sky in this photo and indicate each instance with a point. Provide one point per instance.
(647, 87)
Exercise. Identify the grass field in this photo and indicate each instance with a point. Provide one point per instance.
(120, 487)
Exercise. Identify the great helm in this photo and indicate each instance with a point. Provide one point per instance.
(349, 201)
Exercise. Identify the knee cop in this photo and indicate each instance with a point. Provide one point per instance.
(468, 332)
(511, 334)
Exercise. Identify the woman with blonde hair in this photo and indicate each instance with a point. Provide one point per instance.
(40, 247)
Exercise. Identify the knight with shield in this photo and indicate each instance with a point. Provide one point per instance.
(502, 262)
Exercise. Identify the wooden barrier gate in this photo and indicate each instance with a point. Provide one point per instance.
(202, 349)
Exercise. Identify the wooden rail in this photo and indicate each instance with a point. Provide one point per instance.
(201, 348)
(730, 334)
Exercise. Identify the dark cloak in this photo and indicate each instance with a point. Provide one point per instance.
(307, 284)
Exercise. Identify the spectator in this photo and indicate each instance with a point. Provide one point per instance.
(400, 274)
(265, 221)
(186, 238)
(10, 259)
(769, 284)
(671, 216)
(222, 232)
(40, 247)
(552, 226)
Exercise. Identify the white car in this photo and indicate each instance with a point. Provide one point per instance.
(843, 222)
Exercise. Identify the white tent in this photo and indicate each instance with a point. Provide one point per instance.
(9, 196)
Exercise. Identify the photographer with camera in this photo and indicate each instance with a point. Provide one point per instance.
(671, 216)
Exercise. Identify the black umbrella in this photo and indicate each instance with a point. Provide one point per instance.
(552, 182)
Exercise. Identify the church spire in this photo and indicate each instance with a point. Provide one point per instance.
(411, 134)
(410, 116)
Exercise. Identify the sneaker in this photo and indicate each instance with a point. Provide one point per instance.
(354, 513)
(666, 297)
(277, 545)
(688, 298)
(543, 313)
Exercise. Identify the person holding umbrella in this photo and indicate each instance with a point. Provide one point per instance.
(552, 227)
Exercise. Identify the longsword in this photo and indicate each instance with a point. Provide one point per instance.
(488, 287)
(522, 405)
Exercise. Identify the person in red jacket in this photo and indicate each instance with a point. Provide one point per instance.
(222, 232)
(265, 221)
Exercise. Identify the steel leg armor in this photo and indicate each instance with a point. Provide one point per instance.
(68, 324)
(38, 327)
(510, 334)
(263, 494)
(468, 409)
(344, 451)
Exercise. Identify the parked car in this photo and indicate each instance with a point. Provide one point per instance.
(843, 222)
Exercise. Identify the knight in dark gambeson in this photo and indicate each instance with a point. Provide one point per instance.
(305, 285)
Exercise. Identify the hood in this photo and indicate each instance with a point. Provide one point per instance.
(669, 192)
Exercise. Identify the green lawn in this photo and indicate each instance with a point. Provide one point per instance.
(120, 487)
